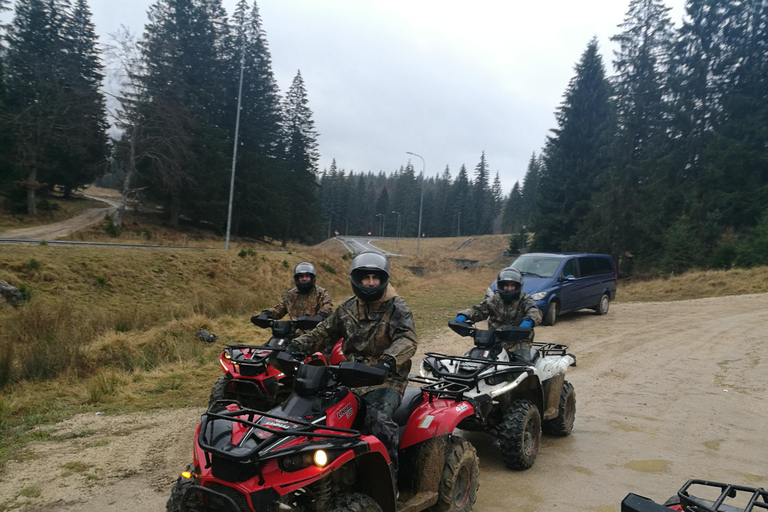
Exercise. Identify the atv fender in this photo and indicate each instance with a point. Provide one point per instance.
(433, 419)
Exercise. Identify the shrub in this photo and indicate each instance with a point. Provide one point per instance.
(101, 281)
(33, 264)
(328, 268)
(285, 264)
(111, 228)
(243, 253)
(146, 233)
(47, 206)
(43, 242)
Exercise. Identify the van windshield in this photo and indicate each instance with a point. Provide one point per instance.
(536, 267)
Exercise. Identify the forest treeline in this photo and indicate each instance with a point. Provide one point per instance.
(662, 162)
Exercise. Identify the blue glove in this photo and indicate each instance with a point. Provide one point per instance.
(527, 323)
(460, 318)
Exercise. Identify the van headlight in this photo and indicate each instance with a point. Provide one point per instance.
(539, 296)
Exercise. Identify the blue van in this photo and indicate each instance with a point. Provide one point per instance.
(560, 282)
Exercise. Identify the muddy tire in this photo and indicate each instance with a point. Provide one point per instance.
(563, 424)
(602, 307)
(353, 502)
(550, 317)
(460, 478)
(520, 434)
(220, 390)
(177, 492)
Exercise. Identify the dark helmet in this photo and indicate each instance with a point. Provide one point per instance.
(509, 275)
(369, 263)
(304, 268)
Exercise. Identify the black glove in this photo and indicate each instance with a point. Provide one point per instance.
(263, 319)
(384, 365)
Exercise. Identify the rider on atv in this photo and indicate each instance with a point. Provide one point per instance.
(306, 299)
(377, 328)
(508, 305)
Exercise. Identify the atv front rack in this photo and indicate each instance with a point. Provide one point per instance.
(470, 379)
(440, 388)
(550, 349)
(253, 449)
(692, 503)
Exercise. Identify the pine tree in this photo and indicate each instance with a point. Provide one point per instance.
(481, 197)
(575, 155)
(82, 151)
(530, 190)
(641, 92)
(497, 196)
(37, 85)
(511, 218)
(301, 160)
(5, 136)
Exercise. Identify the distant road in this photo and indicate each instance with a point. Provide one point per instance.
(65, 227)
(362, 244)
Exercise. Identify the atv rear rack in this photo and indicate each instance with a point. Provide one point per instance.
(694, 504)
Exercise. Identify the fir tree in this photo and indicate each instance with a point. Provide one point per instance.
(481, 197)
(530, 189)
(511, 220)
(301, 160)
(575, 155)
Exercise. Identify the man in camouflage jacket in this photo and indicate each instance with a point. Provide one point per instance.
(305, 299)
(508, 305)
(377, 326)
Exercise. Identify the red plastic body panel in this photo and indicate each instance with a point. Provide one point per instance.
(434, 419)
(343, 414)
(337, 356)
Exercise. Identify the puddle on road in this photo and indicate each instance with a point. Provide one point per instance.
(581, 469)
(647, 466)
(714, 445)
(753, 478)
(626, 427)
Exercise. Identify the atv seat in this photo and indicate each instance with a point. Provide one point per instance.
(412, 398)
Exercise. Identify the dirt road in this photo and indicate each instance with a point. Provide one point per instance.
(665, 392)
(65, 227)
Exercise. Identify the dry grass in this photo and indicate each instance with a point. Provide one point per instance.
(695, 285)
(485, 248)
(67, 208)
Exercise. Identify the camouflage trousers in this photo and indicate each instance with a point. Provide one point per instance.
(519, 352)
(380, 405)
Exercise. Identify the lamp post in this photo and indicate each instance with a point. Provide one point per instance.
(237, 133)
(421, 202)
(397, 230)
(381, 224)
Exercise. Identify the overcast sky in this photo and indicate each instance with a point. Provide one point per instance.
(446, 79)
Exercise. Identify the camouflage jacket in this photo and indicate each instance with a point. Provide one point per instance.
(500, 314)
(296, 304)
(374, 331)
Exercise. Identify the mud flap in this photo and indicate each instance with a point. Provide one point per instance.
(552, 390)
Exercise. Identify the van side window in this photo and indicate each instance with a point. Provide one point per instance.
(604, 266)
(588, 266)
(570, 268)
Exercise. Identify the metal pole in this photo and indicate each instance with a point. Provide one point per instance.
(237, 133)
(421, 202)
(458, 228)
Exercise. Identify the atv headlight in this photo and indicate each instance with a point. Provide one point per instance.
(320, 458)
(539, 296)
(425, 370)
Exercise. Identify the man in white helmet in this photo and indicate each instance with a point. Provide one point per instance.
(377, 327)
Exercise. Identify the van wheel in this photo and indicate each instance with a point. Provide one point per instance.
(519, 435)
(602, 308)
(563, 423)
(459, 481)
(550, 317)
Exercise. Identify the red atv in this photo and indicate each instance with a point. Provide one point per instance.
(250, 374)
(711, 497)
(309, 454)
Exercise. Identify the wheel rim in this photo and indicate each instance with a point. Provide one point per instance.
(530, 438)
(604, 304)
(462, 486)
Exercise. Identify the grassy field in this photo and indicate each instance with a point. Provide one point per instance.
(484, 248)
(54, 209)
(112, 329)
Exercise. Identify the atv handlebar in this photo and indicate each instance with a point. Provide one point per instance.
(506, 333)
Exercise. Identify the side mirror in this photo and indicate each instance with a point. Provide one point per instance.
(569, 278)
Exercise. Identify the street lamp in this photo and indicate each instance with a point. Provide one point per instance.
(381, 224)
(421, 202)
(237, 133)
(397, 231)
